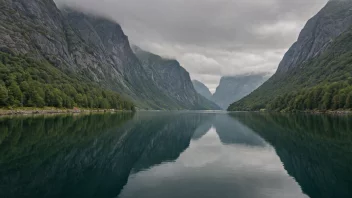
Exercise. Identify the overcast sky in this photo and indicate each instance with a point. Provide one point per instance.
(210, 38)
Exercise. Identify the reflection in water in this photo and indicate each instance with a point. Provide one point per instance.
(87, 156)
(315, 149)
(233, 132)
(61, 156)
(171, 155)
(208, 168)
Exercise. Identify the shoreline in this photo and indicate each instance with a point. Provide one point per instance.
(53, 111)
(337, 112)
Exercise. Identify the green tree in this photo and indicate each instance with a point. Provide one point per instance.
(335, 102)
(35, 100)
(327, 100)
(15, 94)
(348, 103)
(104, 103)
(3, 95)
(53, 97)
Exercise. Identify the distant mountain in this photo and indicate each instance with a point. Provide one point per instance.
(234, 88)
(173, 81)
(202, 89)
(88, 50)
(316, 72)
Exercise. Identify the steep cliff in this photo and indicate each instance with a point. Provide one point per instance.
(36, 28)
(315, 73)
(173, 81)
(113, 63)
(318, 34)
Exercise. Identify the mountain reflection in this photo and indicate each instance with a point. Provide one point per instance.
(316, 149)
(210, 168)
(233, 132)
(175, 154)
(87, 156)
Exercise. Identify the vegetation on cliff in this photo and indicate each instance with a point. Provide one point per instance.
(25, 82)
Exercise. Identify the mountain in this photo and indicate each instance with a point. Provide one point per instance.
(173, 81)
(202, 89)
(89, 49)
(235, 88)
(318, 34)
(37, 64)
(316, 72)
(106, 57)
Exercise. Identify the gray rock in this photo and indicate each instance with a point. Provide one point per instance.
(319, 32)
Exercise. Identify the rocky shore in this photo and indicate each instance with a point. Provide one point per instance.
(4, 112)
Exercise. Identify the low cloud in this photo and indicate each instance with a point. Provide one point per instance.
(210, 38)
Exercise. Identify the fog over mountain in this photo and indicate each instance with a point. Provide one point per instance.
(210, 38)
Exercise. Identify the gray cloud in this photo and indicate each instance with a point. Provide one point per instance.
(211, 38)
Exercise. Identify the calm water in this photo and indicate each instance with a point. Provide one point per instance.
(173, 155)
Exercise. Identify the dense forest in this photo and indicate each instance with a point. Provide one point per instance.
(322, 83)
(333, 96)
(25, 82)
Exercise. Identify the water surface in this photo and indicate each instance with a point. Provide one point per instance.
(176, 154)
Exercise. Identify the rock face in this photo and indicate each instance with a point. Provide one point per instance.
(172, 80)
(34, 27)
(232, 89)
(319, 32)
(202, 89)
(111, 60)
(94, 47)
